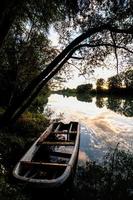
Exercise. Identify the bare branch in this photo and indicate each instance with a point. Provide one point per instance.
(103, 44)
(77, 68)
(115, 51)
(78, 58)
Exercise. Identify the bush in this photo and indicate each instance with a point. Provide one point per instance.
(30, 123)
(113, 180)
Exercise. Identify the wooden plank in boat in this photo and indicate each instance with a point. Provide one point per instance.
(70, 127)
(63, 132)
(71, 132)
(59, 132)
(32, 163)
(59, 143)
(58, 127)
(44, 135)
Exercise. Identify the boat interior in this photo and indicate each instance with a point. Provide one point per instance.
(53, 153)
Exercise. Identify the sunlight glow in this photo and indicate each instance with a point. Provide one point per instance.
(105, 87)
(53, 37)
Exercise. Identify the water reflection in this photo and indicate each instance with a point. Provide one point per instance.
(85, 98)
(105, 121)
(120, 105)
(100, 102)
(92, 146)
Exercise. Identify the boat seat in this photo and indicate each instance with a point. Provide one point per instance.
(60, 132)
(64, 143)
(64, 132)
(50, 165)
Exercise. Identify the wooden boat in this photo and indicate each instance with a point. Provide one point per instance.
(51, 160)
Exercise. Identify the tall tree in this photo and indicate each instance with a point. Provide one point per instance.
(114, 82)
(100, 83)
(128, 79)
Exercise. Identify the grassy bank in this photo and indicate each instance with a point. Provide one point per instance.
(14, 141)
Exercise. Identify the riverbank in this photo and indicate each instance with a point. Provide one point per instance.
(112, 180)
(14, 141)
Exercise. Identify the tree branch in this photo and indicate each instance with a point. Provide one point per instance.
(115, 51)
(76, 68)
(102, 44)
(77, 58)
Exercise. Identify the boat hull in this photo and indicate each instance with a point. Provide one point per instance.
(62, 172)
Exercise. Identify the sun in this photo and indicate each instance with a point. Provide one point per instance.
(105, 87)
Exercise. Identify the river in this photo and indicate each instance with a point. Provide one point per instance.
(105, 122)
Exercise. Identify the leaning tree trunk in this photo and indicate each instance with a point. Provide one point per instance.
(38, 88)
(19, 104)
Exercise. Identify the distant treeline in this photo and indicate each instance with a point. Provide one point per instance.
(121, 84)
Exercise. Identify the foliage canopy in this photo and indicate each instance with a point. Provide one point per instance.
(89, 31)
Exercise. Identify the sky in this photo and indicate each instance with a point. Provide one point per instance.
(99, 73)
(78, 80)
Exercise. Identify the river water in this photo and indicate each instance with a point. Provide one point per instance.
(104, 122)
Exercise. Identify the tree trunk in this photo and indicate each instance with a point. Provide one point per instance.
(9, 9)
(38, 89)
